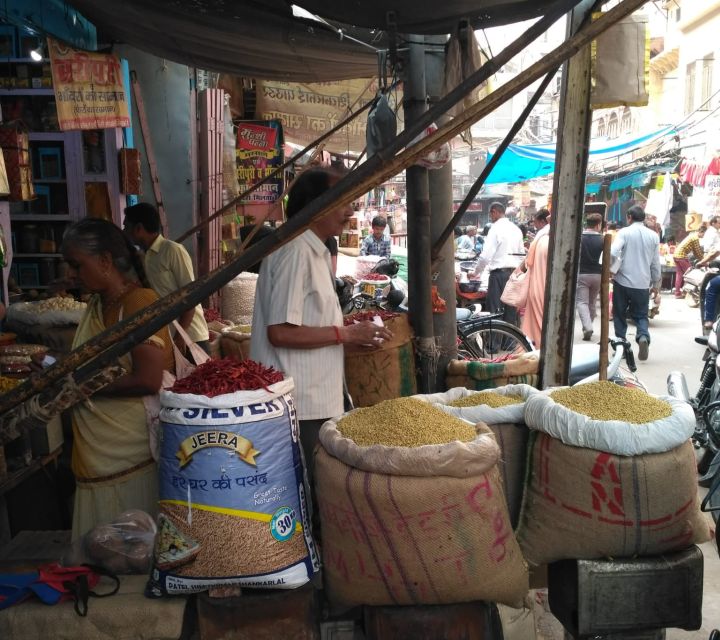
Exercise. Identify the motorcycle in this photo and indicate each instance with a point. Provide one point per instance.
(388, 293)
(695, 282)
(705, 404)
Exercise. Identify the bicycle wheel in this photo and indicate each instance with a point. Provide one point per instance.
(498, 340)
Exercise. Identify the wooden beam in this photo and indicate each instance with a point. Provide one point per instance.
(567, 210)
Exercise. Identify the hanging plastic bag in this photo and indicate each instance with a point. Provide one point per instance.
(437, 158)
(381, 126)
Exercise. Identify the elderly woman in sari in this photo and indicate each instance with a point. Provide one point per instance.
(111, 458)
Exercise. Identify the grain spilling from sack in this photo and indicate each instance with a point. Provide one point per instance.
(608, 401)
(489, 398)
(404, 422)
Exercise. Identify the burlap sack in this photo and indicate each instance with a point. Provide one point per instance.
(415, 539)
(480, 375)
(582, 503)
(385, 373)
(235, 341)
(508, 425)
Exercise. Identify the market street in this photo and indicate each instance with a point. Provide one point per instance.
(673, 348)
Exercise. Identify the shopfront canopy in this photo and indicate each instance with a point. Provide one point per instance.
(262, 38)
(520, 163)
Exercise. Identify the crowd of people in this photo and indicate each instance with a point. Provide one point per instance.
(635, 269)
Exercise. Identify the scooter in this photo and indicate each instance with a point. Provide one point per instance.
(391, 297)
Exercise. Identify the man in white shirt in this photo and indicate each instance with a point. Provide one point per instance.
(501, 255)
(635, 265)
(712, 237)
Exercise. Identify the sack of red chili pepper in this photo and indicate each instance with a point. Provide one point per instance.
(231, 488)
(227, 375)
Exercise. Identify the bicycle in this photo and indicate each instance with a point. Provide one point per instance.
(487, 337)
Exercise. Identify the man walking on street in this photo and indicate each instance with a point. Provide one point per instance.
(636, 272)
(501, 255)
(588, 287)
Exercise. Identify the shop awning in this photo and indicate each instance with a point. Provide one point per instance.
(525, 162)
(264, 39)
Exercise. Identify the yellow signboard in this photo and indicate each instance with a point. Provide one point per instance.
(89, 91)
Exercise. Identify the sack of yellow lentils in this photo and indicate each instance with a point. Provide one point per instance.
(412, 510)
(503, 410)
(584, 503)
(611, 418)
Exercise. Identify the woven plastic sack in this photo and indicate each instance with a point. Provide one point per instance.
(542, 413)
(238, 298)
(232, 499)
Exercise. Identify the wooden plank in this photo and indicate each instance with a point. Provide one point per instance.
(464, 621)
(260, 615)
(605, 306)
(567, 210)
(149, 151)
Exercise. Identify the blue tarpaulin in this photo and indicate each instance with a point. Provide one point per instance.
(525, 162)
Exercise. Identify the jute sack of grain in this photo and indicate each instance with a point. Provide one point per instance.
(542, 413)
(480, 375)
(506, 422)
(238, 298)
(384, 373)
(235, 341)
(582, 503)
(232, 501)
(420, 525)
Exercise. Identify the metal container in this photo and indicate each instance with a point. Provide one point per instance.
(604, 597)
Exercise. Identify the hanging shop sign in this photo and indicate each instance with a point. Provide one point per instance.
(258, 152)
(89, 90)
(706, 199)
(307, 111)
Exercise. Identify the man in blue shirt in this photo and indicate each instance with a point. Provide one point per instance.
(376, 244)
(636, 273)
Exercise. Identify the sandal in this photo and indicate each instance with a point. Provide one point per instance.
(708, 324)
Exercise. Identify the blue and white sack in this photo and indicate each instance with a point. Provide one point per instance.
(232, 501)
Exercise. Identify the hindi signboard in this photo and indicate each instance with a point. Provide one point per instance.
(89, 90)
(311, 109)
(258, 152)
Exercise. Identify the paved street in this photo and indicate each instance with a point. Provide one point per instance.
(673, 348)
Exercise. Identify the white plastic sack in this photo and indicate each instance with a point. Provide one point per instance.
(514, 413)
(542, 413)
(231, 493)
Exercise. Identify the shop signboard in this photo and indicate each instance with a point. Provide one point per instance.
(259, 152)
(89, 90)
(706, 200)
(309, 110)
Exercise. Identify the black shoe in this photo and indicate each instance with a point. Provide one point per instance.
(587, 335)
(643, 348)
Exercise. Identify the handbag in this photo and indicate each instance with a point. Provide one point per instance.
(183, 368)
(516, 288)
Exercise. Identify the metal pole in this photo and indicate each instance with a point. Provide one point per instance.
(567, 210)
(441, 212)
(605, 306)
(418, 213)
